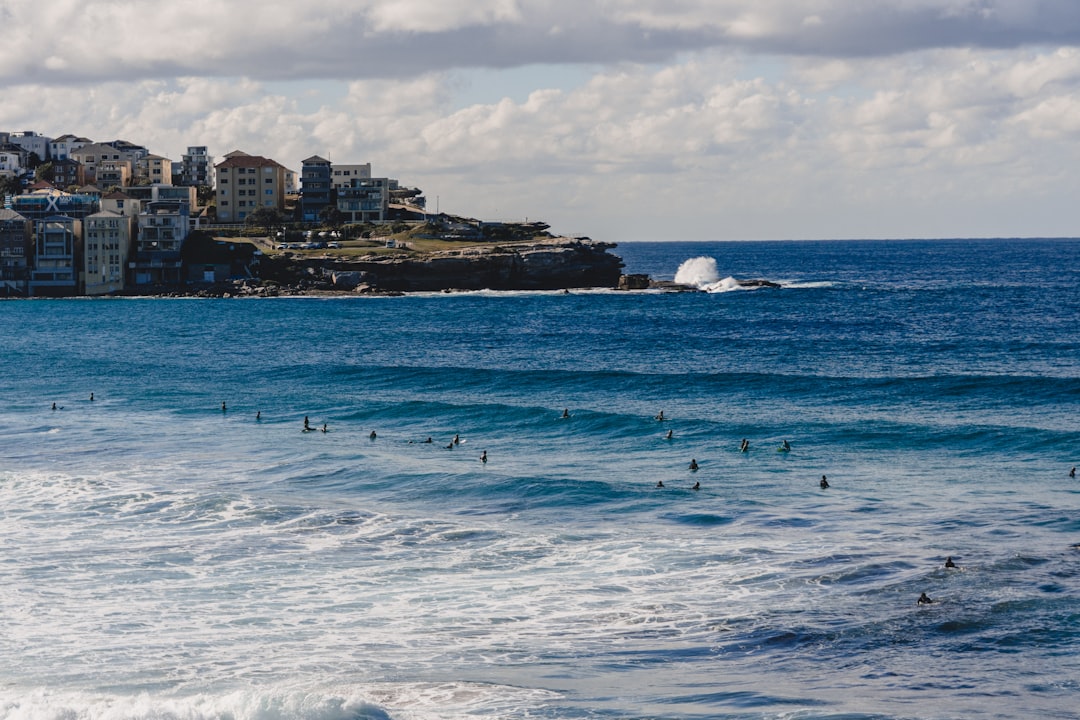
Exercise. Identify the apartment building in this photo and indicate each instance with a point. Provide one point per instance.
(16, 243)
(315, 193)
(343, 175)
(54, 272)
(154, 168)
(197, 167)
(246, 183)
(163, 227)
(106, 240)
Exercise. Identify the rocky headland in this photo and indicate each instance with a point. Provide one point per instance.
(544, 264)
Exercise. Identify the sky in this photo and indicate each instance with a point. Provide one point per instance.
(623, 120)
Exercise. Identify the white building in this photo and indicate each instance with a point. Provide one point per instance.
(31, 142)
(343, 175)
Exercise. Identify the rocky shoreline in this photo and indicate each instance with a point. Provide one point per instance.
(548, 264)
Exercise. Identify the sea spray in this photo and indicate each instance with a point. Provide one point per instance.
(697, 272)
(701, 273)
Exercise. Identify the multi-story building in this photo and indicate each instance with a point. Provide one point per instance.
(12, 160)
(16, 242)
(106, 240)
(163, 227)
(365, 200)
(93, 155)
(155, 168)
(113, 173)
(68, 173)
(246, 183)
(130, 150)
(54, 272)
(31, 142)
(315, 193)
(122, 203)
(155, 193)
(61, 147)
(343, 175)
(197, 167)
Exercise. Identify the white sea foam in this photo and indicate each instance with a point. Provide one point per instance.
(698, 272)
(702, 273)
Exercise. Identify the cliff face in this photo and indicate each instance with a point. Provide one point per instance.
(547, 265)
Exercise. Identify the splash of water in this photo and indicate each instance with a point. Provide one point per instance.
(701, 272)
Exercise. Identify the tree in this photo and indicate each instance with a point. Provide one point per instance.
(265, 217)
(204, 194)
(45, 171)
(9, 185)
(332, 217)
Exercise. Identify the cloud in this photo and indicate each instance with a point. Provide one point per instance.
(688, 119)
(82, 41)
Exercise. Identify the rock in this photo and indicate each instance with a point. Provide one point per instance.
(634, 282)
(546, 265)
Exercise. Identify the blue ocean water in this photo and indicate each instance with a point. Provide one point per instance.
(161, 557)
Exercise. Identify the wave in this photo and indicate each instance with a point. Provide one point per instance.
(702, 273)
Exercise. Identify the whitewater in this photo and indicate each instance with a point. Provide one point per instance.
(165, 556)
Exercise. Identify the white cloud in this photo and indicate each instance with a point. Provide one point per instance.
(720, 118)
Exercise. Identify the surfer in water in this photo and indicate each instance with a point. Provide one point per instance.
(659, 483)
(744, 446)
(373, 435)
(324, 429)
(307, 426)
(786, 447)
(91, 397)
(1072, 473)
(483, 457)
(660, 416)
(223, 406)
(670, 434)
(693, 464)
(457, 439)
(697, 486)
(824, 482)
(258, 414)
(949, 563)
(566, 413)
(924, 599)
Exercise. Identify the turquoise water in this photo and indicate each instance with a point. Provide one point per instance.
(164, 558)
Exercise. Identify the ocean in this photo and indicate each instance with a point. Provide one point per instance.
(164, 556)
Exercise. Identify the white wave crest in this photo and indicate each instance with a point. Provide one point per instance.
(697, 272)
(701, 273)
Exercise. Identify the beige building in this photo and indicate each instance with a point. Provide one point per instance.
(94, 155)
(246, 183)
(121, 203)
(106, 241)
(113, 173)
(154, 168)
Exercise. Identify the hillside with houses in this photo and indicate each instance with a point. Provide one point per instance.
(85, 217)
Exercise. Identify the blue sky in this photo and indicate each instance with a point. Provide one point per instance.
(619, 119)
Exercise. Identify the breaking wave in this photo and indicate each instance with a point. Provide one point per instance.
(701, 273)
